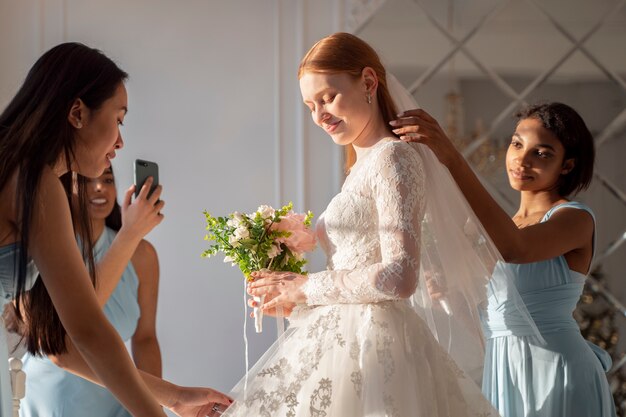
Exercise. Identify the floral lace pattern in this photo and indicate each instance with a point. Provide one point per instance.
(357, 348)
(372, 230)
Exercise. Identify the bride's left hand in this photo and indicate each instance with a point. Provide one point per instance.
(281, 289)
(285, 311)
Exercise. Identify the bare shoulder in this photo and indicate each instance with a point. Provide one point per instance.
(574, 218)
(51, 205)
(145, 260)
(50, 188)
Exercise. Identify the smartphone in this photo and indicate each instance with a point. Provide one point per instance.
(143, 170)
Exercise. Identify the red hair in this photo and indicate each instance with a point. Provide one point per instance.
(345, 53)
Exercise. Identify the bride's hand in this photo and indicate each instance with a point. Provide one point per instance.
(281, 289)
(286, 311)
(418, 126)
(199, 402)
(436, 291)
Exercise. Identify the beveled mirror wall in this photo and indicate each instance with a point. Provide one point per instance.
(473, 63)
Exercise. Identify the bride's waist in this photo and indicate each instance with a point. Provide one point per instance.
(349, 309)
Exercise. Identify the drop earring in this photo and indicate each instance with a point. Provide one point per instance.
(369, 98)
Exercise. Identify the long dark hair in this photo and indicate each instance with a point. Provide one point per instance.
(114, 219)
(35, 133)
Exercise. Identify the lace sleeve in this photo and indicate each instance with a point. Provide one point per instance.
(396, 180)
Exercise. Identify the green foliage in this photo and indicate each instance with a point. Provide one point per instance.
(248, 241)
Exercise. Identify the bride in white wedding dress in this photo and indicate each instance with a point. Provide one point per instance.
(360, 341)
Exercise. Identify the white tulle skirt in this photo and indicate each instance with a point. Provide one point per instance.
(358, 360)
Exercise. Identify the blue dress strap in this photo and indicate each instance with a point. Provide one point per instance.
(580, 206)
(570, 204)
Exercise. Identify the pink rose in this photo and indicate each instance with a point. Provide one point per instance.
(302, 238)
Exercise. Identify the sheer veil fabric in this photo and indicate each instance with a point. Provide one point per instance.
(369, 341)
(458, 253)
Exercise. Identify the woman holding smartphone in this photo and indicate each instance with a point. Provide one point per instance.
(129, 305)
(65, 118)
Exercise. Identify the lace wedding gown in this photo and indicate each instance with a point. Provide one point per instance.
(358, 348)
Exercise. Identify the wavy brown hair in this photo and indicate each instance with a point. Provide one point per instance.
(345, 53)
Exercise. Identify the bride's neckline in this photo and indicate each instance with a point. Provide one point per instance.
(366, 153)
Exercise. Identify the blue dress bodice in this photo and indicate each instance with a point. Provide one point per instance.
(549, 290)
(8, 272)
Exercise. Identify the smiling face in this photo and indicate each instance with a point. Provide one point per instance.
(99, 135)
(101, 195)
(535, 158)
(339, 105)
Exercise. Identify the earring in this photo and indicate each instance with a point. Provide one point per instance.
(79, 125)
(369, 98)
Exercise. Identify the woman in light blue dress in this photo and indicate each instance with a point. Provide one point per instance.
(131, 309)
(64, 122)
(548, 245)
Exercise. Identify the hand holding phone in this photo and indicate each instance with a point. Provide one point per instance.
(143, 170)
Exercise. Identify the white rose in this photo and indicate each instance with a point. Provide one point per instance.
(236, 220)
(242, 232)
(274, 251)
(234, 242)
(266, 212)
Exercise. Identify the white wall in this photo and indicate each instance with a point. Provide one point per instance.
(214, 99)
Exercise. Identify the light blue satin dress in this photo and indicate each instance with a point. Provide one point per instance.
(8, 280)
(53, 392)
(566, 376)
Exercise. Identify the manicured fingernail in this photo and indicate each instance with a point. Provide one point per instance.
(393, 122)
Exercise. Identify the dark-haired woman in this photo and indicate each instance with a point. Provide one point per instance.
(548, 246)
(130, 307)
(65, 118)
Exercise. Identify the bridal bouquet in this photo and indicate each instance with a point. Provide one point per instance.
(266, 239)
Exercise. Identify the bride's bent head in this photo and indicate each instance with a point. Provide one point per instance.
(344, 84)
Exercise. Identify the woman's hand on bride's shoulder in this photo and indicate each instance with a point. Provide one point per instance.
(196, 402)
(418, 126)
(281, 289)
